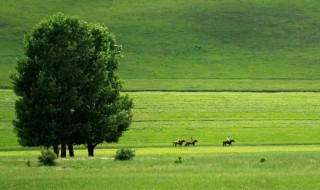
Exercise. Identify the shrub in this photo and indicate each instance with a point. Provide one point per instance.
(124, 154)
(47, 157)
(179, 160)
(262, 160)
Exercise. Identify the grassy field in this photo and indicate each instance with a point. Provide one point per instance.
(293, 167)
(249, 118)
(190, 45)
(224, 51)
(226, 85)
(283, 128)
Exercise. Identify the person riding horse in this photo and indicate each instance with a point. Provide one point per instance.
(178, 142)
(224, 143)
(193, 142)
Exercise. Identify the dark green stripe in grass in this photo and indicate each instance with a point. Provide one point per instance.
(222, 85)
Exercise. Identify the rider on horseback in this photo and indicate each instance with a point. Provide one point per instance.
(228, 139)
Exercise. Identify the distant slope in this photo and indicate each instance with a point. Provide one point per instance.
(237, 45)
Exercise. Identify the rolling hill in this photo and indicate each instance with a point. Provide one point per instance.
(230, 45)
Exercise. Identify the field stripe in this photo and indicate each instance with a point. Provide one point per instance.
(181, 150)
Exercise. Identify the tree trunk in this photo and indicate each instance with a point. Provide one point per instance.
(91, 149)
(63, 150)
(56, 150)
(70, 148)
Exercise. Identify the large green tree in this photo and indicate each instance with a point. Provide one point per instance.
(69, 91)
(104, 113)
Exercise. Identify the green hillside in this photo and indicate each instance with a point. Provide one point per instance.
(190, 45)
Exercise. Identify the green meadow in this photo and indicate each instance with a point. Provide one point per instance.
(282, 128)
(286, 167)
(184, 45)
(159, 118)
(204, 69)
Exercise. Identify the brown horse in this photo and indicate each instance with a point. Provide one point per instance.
(224, 143)
(193, 142)
(179, 142)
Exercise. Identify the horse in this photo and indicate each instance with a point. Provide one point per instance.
(179, 142)
(193, 142)
(224, 143)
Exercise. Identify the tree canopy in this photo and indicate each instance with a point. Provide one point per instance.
(68, 87)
